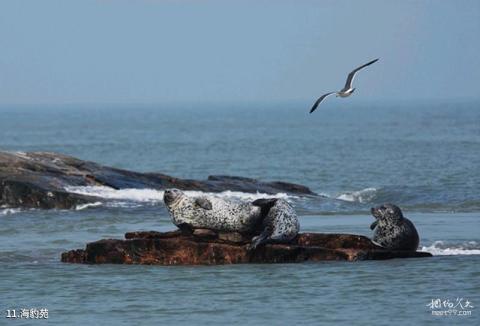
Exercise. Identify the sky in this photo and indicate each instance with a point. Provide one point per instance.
(106, 51)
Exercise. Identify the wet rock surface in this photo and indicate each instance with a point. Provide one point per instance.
(207, 248)
(38, 180)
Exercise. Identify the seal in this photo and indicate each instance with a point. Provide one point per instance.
(270, 220)
(280, 223)
(392, 230)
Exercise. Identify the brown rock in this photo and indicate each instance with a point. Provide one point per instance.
(204, 233)
(177, 248)
(234, 237)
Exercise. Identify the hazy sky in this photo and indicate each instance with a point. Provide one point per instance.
(57, 52)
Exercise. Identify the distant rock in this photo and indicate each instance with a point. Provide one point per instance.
(204, 248)
(38, 180)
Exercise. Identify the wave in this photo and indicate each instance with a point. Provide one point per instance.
(344, 202)
(412, 198)
(440, 248)
(154, 195)
(84, 206)
(362, 196)
(9, 211)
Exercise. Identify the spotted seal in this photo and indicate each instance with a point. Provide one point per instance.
(392, 230)
(270, 220)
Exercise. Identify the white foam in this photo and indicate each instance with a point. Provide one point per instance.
(84, 206)
(8, 211)
(439, 248)
(21, 154)
(361, 196)
(126, 204)
(153, 195)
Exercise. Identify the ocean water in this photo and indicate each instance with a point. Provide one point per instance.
(424, 157)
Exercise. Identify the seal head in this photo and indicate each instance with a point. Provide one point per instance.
(392, 230)
(172, 196)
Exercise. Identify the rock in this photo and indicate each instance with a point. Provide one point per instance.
(204, 233)
(38, 180)
(234, 237)
(25, 193)
(177, 248)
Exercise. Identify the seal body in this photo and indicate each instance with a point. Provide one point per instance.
(272, 220)
(280, 223)
(211, 212)
(392, 230)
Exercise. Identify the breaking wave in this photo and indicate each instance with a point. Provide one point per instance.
(9, 211)
(440, 248)
(413, 198)
(344, 202)
(362, 196)
(84, 206)
(154, 196)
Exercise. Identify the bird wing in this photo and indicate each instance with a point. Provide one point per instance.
(320, 99)
(351, 75)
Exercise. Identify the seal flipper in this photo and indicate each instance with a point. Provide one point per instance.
(378, 244)
(373, 225)
(265, 204)
(258, 240)
(262, 202)
(264, 238)
(185, 228)
(204, 203)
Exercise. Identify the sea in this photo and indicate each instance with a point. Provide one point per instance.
(423, 156)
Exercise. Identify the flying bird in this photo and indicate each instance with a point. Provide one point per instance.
(347, 90)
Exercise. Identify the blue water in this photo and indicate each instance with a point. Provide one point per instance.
(425, 157)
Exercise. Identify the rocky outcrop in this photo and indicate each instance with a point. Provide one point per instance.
(204, 247)
(38, 180)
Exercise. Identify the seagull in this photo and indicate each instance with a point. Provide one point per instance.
(347, 90)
